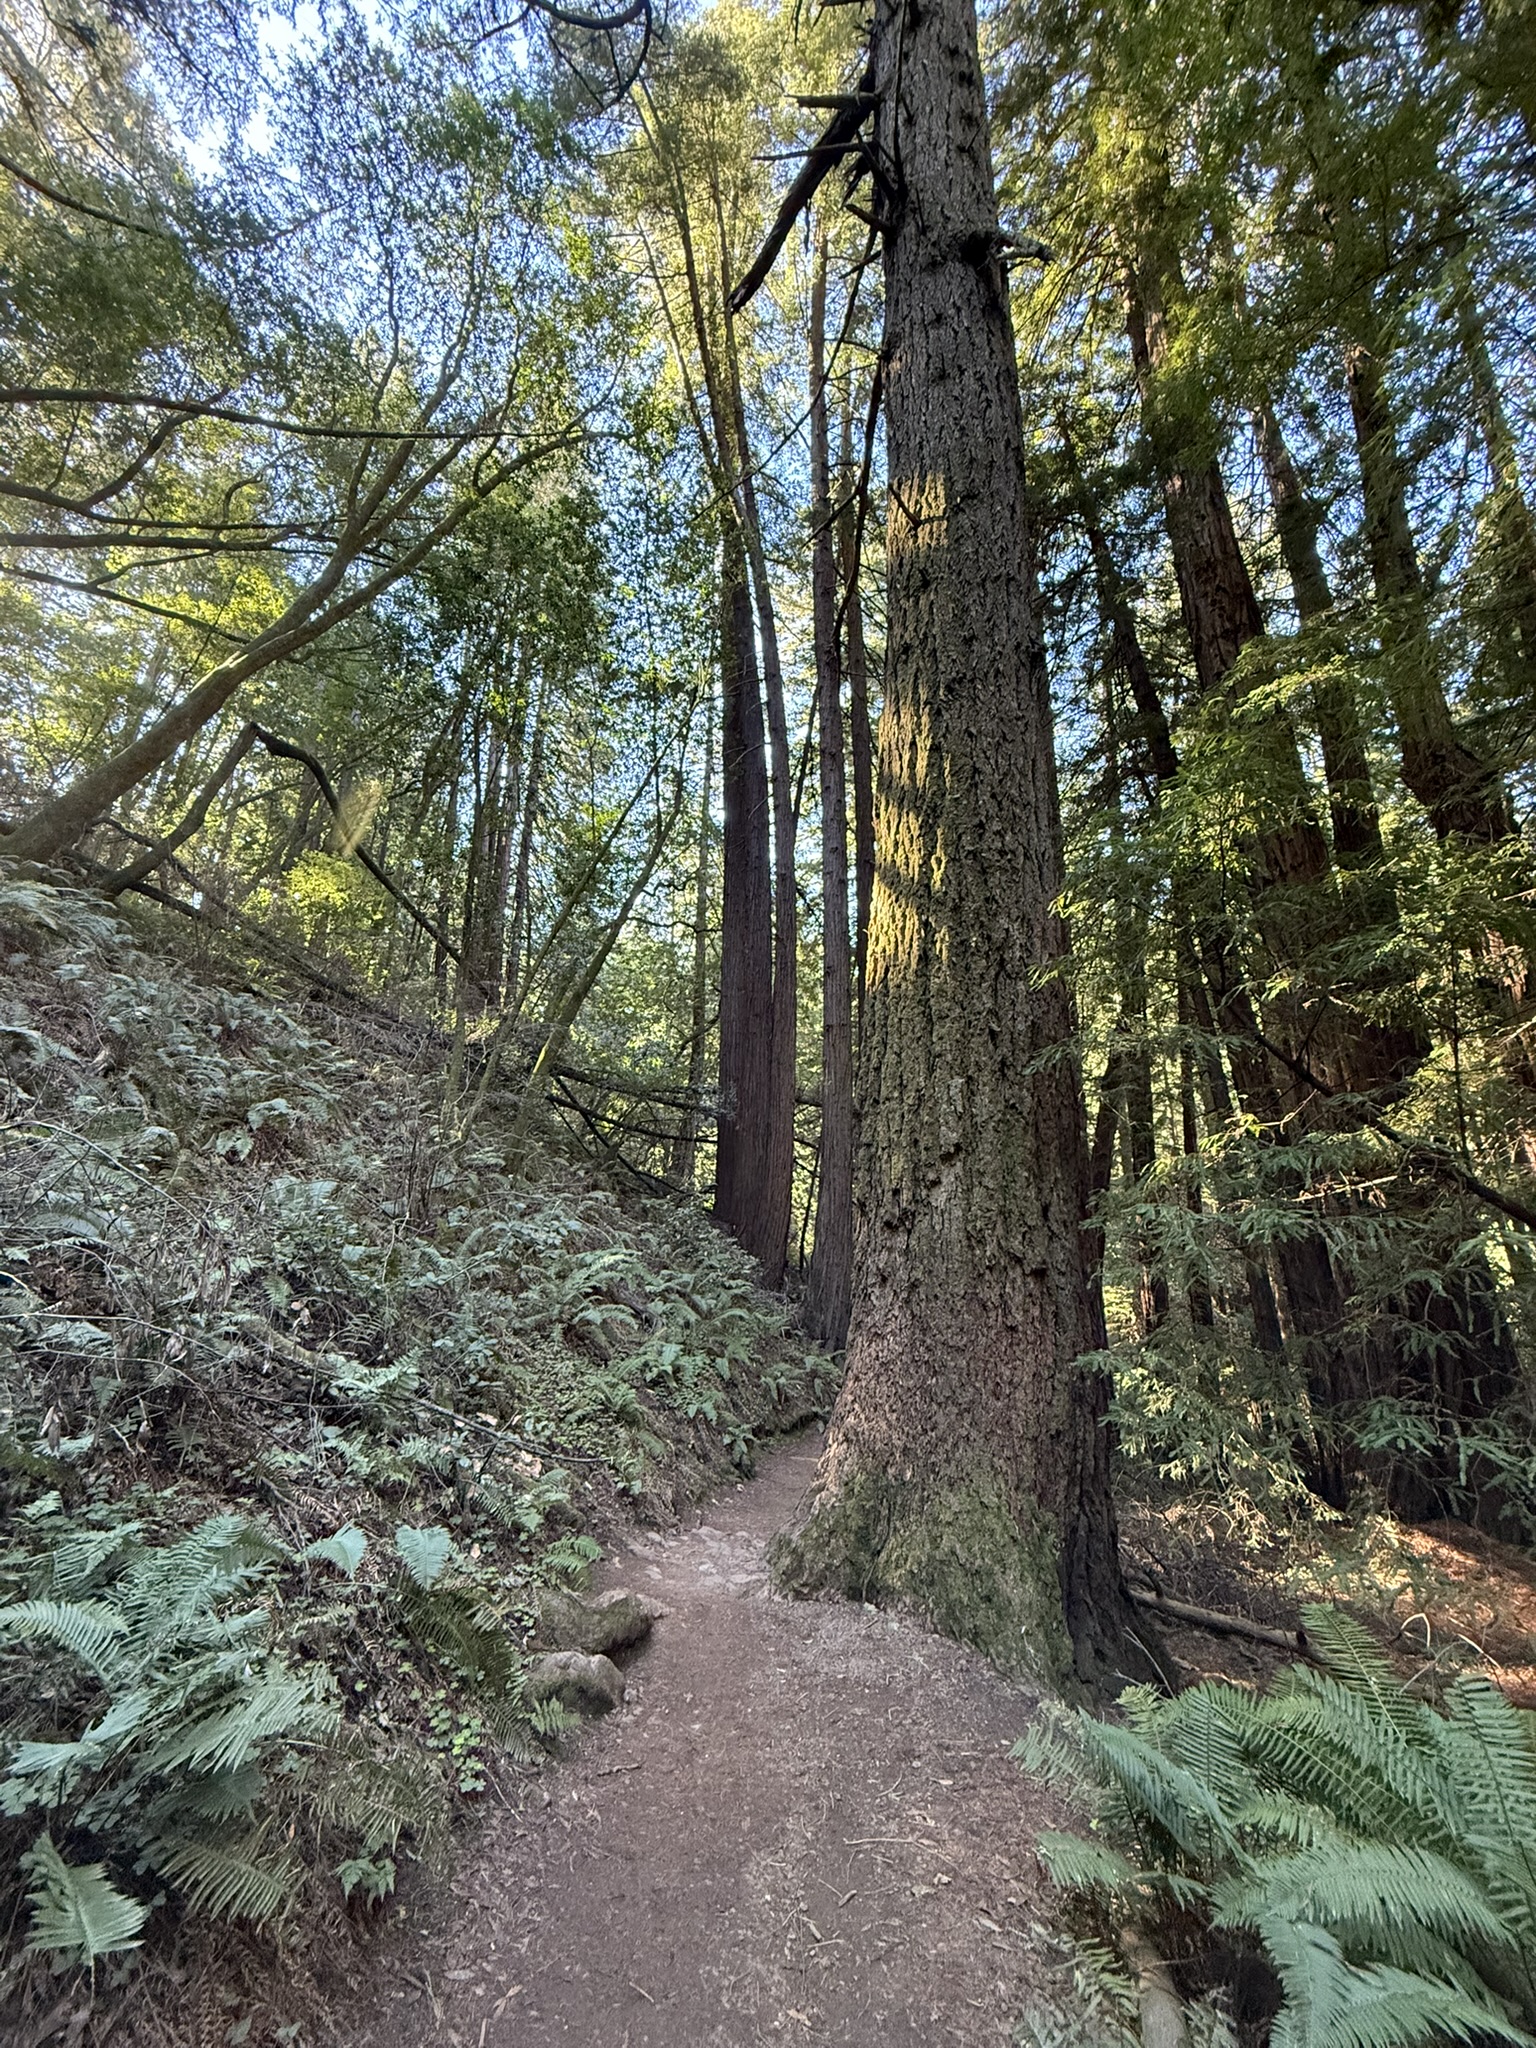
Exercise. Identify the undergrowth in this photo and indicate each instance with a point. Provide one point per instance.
(1355, 1866)
(300, 1405)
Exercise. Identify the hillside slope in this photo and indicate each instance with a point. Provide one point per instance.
(303, 1410)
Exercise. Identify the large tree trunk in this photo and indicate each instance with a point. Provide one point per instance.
(860, 738)
(829, 1287)
(748, 1200)
(742, 1158)
(1216, 595)
(770, 1242)
(967, 1467)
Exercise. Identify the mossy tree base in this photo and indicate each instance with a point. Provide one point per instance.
(955, 1553)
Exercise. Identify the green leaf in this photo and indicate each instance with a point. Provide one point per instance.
(77, 1913)
(346, 1550)
(374, 1877)
(425, 1554)
(230, 1882)
(88, 1629)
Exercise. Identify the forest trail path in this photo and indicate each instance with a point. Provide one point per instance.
(803, 1826)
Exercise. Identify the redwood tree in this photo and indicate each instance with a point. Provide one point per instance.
(967, 1464)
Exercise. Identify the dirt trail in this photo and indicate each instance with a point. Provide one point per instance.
(802, 1827)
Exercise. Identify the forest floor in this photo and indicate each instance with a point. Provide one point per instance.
(803, 1825)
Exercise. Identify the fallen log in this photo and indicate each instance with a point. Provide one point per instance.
(1293, 1641)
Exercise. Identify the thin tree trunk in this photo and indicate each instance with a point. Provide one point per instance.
(573, 1000)
(681, 1166)
(520, 929)
(234, 754)
(1352, 808)
(967, 1467)
(480, 977)
(1461, 793)
(829, 1288)
(771, 1245)
(1202, 1313)
(57, 825)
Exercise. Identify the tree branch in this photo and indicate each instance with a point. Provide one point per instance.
(833, 144)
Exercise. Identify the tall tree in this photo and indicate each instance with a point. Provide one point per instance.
(829, 1285)
(967, 1465)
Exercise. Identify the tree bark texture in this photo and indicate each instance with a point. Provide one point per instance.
(860, 735)
(829, 1286)
(967, 1464)
(746, 918)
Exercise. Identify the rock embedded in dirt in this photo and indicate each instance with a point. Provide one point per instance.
(586, 1685)
(613, 1621)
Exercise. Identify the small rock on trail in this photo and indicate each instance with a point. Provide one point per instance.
(801, 1826)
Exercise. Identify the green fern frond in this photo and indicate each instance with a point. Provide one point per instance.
(167, 1586)
(1490, 1750)
(72, 1565)
(277, 1702)
(457, 1630)
(1353, 1656)
(425, 1553)
(1088, 1866)
(87, 1629)
(78, 1915)
(1052, 1748)
(377, 1800)
(1203, 1732)
(230, 1880)
(1332, 2003)
(1367, 1891)
(1322, 1743)
(221, 1795)
(1153, 1786)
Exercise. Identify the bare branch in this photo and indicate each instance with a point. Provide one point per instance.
(195, 408)
(838, 137)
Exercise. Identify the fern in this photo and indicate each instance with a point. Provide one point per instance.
(274, 1702)
(77, 1914)
(1380, 1894)
(1382, 1852)
(87, 1629)
(1333, 2003)
(181, 1700)
(230, 1881)
(425, 1553)
(381, 1800)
